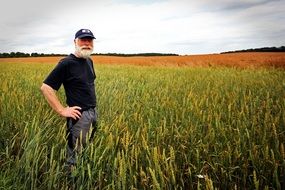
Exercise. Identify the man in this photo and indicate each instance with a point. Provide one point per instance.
(77, 75)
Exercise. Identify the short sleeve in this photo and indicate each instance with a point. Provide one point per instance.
(56, 77)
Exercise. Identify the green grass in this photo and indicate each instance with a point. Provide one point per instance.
(159, 128)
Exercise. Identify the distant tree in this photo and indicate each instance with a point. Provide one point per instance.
(34, 54)
(4, 55)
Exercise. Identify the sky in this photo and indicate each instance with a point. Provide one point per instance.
(142, 26)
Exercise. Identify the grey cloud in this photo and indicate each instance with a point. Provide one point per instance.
(231, 5)
(138, 2)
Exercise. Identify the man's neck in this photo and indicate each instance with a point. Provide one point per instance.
(78, 56)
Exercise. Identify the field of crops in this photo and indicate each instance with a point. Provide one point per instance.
(237, 60)
(159, 128)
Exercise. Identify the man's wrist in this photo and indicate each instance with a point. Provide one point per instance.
(60, 111)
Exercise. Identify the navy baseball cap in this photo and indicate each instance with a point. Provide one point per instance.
(84, 33)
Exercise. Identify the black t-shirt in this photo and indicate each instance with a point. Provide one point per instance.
(77, 76)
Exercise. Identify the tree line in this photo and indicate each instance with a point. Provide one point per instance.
(136, 54)
(21, 54)
(263, 49)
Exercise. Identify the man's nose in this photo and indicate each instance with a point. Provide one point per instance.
(87, 41)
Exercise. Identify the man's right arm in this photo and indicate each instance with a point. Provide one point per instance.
(52, 99)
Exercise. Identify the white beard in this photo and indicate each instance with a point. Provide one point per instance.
(82, 52)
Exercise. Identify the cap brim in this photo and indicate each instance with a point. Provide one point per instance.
(86, 36)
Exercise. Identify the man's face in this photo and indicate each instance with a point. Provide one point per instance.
(83, 47)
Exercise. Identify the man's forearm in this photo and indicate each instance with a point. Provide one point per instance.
(51, 98)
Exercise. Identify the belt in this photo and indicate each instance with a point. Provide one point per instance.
(87, 108)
